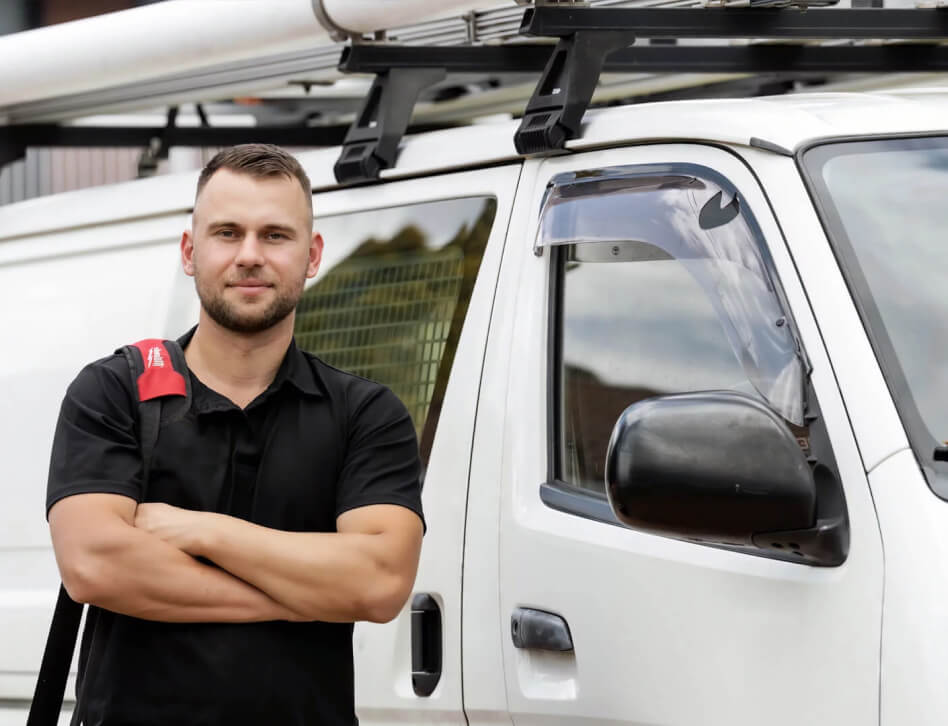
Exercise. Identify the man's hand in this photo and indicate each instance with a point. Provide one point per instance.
(179, 527)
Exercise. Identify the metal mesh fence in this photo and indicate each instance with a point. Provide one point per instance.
(387, 319)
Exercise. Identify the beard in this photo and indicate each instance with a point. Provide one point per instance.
(229, 317)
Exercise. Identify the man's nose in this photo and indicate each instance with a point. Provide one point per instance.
(250, 252)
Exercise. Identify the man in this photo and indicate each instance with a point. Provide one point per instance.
(284, 506)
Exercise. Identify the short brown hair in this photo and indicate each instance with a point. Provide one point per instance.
(259, 161)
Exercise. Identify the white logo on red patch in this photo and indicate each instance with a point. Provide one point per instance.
(154, 358)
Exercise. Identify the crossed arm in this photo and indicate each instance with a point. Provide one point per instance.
(140, 560)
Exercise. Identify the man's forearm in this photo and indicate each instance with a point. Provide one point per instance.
(364, 571)
(343, 576)
(335, 577)
(138, 574)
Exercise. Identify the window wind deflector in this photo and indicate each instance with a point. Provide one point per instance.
(698, 221)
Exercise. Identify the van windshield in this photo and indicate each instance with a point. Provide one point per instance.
(884, 205)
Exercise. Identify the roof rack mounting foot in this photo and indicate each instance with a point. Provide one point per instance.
(372, 141)
(556, 108)
(158, 147)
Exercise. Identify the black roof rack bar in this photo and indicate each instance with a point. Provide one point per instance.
(380, 57)
(756, 58)
(587, 35)
(371, 143)
(15, 139)
(781, 57)
(783, 23)
(52, 135)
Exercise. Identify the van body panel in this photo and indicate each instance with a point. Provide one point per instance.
(914, 526)
(96, 206)
(787, 121)
(71, 297)
(666, 631)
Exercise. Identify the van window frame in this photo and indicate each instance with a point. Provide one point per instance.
(554, 491)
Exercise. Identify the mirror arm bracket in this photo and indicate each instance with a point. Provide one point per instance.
(826, 543)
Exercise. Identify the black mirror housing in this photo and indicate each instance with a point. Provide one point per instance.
(717, 466)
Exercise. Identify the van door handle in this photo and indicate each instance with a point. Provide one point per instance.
(425, 644)
(539, 630)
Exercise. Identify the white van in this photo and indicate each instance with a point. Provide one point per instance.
(681, 392)
(520, 306)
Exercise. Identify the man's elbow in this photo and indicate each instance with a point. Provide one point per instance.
(90, 533)
(385, 602)
(84, 579)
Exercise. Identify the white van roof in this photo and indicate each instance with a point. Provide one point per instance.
(786, 122)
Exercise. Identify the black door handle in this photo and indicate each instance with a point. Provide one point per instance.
(425, 644)
(539, 630)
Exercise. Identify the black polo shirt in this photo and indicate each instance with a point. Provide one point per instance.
(315, 444)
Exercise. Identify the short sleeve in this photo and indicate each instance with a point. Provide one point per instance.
(382, 465)
(95, 447)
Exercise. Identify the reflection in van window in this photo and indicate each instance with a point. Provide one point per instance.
(392, 294)
(663, 287)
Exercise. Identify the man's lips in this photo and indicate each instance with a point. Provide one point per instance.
(250, 286)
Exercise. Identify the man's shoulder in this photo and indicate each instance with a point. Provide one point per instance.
(108, 376)
(358, 391)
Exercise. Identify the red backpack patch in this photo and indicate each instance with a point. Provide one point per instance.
(159, 377)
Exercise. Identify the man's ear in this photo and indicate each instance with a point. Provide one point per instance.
(315, 254)
(187, 253)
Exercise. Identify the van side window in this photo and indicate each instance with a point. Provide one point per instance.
(662, 285)
(391, 296)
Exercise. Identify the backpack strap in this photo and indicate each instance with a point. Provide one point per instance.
(47, 700)
(159, 377)
(159, 374)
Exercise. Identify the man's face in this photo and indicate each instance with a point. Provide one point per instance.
(251, 249)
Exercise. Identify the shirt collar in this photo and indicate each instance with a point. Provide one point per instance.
(295, 370)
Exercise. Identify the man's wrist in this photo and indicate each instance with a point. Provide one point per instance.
(207, 534)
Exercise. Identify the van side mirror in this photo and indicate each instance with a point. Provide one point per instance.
(717, 467)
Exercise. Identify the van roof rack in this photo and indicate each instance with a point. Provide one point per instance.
(589, 41)
(593, 40)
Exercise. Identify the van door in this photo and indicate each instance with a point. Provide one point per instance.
(630, 274)
(404, 297)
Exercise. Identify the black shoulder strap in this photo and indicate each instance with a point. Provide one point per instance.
(54, 670)
(153, 412)
(171, 397)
